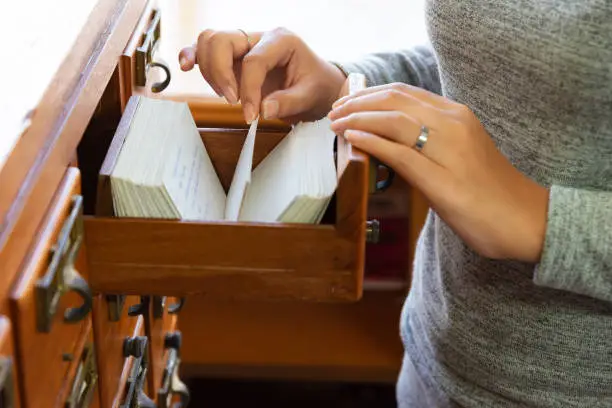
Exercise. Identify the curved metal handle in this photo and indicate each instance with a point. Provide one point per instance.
(171, 382)
(382, 185)
(75, 282)
(140, 309)
(179, 388)
(160, 86)
(176, 308)
(144, 401)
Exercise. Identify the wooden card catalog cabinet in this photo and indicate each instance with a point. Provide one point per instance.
(322, 262)
(51, 301)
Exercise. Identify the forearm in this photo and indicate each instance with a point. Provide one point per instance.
(417, 66)
(577, 254)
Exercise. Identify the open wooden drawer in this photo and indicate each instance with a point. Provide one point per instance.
(321, 262)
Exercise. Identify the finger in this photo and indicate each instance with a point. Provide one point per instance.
(421, 94)
(187, 58)
(396, 126)
(288, 102)
(217, 51)
(387, 100)
(271, 51)
(425, 174)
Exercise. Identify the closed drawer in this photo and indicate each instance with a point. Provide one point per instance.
(80, 389)
(133, 390)
(112, 325)
(162, 320)
(50, 301)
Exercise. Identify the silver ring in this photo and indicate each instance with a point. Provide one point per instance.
(422, 139)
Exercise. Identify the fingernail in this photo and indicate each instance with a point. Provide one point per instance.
(231, 95)
(183, 62)
(249, 113)
(270, 109)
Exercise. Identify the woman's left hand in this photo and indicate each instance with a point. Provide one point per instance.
(494, 208)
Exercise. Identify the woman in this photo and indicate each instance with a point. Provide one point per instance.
(505, 125)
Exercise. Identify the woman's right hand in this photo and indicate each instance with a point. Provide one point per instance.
(275, 73)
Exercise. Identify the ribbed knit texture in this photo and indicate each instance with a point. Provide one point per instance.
(484, 333)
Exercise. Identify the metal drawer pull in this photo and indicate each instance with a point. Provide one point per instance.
(177, 307)
(7, 393)
(84, 381)
(171, 382)
(61, 276)
(144, 56)
(140, 309)
(135, 396)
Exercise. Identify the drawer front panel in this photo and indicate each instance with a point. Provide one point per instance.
(50, 302)
(80, 389)
(161, 321)
(112, 325)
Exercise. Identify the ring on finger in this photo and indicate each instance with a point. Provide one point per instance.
(422, 139)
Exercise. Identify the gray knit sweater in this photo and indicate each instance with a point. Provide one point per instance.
(484, 333)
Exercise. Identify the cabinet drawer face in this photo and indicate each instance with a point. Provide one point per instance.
(140, 72)
(112, 325)
(9, 390)
(80, 388)
(161, 321)
(50, 301)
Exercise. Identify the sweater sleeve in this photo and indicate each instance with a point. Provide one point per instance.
(417, 66)
(577, 254)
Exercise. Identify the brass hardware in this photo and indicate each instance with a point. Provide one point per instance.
(144, 56)
(159, 303)
(372, 231)
(171, 383)
(140, 309)
(176, 308)
(7, 391)
(85, 380)
(115, 307)
(135, 397)
(375, 185)
(61, 276)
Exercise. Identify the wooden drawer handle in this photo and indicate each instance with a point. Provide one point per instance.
(7, 393)
(135, 396)
(171, 382)
(61, 276)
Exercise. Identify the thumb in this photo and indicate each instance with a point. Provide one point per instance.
(187, 58)
(288, 102)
